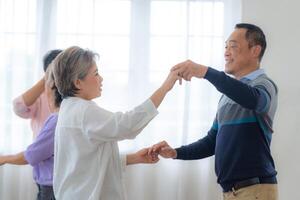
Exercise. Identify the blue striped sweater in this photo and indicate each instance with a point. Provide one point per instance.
(240, 136)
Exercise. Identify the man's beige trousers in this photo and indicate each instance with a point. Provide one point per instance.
(254, 192)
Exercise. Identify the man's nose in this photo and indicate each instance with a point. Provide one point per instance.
(226, 52)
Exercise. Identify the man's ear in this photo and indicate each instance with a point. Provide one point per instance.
(77, 84)
(256, 51)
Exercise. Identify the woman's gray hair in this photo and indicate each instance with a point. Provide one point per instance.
(70, 65)
(49, 81)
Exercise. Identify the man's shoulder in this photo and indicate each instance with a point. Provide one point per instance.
(265, 81)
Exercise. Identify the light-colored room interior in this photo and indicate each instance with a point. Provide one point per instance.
(138, 42)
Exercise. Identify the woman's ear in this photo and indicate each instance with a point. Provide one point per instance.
(77, 84)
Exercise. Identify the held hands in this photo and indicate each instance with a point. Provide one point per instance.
(163, 149)
(158, 96)
(185, 70)
(142, 156)
(150, 155)
(145, 157)
(171, 80)
(189, 69)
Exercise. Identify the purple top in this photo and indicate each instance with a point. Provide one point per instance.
(40, 154)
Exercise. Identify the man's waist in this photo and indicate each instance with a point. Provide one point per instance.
(236, 185)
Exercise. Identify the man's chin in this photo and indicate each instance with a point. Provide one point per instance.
(227, 69)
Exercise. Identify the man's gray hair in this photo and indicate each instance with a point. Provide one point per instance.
(70, 65)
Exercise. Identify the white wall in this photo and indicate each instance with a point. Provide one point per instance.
(280, 19)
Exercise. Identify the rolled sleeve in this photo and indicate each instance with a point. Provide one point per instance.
(22, 110)
(43, 147)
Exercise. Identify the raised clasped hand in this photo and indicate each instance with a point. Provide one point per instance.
(189, 69)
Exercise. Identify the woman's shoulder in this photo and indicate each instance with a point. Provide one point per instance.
(76, 101)
(74, 106)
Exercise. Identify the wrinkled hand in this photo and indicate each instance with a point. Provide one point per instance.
(189, 69)
(163, 149)
(171, 80)
(143, 156)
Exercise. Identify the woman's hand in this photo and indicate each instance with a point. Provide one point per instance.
(141, 156)
(167, 85)
(171, 80)
(163, 149)
(189, 69)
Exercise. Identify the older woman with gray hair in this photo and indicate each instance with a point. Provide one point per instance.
(87, 162)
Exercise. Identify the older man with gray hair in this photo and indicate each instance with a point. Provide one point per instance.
(241, 133)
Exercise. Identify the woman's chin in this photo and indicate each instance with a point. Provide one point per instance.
(99, 94)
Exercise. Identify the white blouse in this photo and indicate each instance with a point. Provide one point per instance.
(87, 164)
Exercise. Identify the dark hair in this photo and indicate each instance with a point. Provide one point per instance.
(49, 77)
(49, 56)
(254, 36)
(57, 97)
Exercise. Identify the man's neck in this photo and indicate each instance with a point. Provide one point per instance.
(246, 71)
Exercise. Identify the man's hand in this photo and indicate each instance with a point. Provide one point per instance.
(189, 69)
(163, 149)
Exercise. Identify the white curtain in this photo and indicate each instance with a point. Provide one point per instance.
(138, 42)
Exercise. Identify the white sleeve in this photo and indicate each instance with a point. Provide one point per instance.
(101, 125)
(123, 158)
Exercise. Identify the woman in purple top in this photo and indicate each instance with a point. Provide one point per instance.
(40, 153)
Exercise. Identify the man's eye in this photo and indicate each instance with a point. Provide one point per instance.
(230, 46)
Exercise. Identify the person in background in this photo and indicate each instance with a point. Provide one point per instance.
(40, 154)
(33, 104)
(87, 162)
(241, 133)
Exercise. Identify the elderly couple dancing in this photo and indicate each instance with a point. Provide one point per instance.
(87, 164)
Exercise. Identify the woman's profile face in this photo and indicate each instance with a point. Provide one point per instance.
(90, 86)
